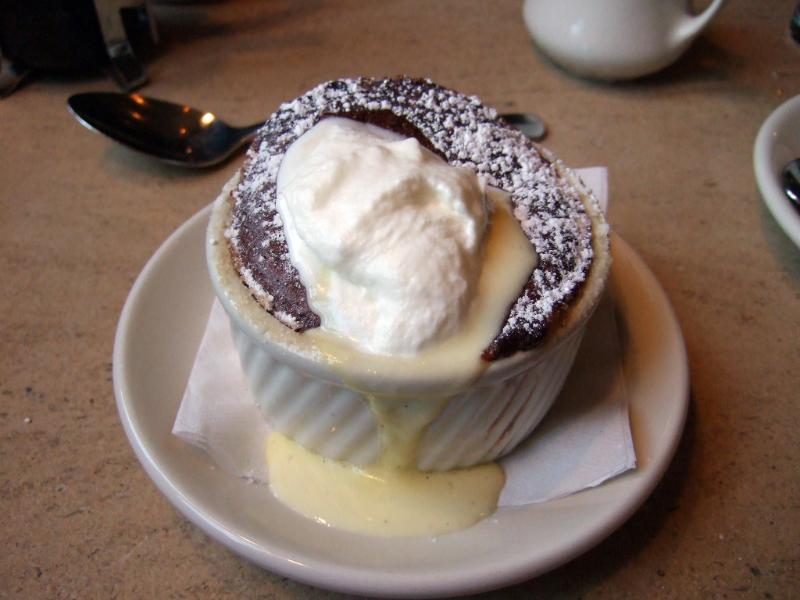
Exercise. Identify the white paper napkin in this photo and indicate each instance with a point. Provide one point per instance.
(583, 441)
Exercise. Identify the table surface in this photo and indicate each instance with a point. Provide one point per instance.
(80, 216)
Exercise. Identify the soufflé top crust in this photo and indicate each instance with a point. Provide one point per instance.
(550, 207)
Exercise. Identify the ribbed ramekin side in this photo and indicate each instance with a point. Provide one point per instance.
(488, 422)
(481, 424)
(330, 420)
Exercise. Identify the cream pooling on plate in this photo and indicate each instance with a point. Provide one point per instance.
(386, 236)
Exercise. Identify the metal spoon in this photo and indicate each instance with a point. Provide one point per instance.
(174, 133)
(790, 179)
(186, 136)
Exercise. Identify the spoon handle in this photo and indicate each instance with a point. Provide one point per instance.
(248, 133)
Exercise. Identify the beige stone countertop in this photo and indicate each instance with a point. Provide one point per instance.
(80, 216)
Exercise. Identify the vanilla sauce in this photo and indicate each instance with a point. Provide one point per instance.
(392, 497)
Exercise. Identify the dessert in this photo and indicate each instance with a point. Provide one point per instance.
(464, 133)
(407, 278)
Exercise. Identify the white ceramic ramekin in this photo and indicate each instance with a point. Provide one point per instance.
(301, 394)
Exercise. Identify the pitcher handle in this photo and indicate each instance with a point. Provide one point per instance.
(691, 26)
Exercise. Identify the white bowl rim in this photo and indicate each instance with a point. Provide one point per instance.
(767, 179)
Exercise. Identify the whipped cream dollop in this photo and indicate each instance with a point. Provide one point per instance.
(386, 236)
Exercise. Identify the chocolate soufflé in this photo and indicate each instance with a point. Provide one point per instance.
(559, 217)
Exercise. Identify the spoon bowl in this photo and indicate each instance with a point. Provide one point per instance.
(174, 133)
(186, 136)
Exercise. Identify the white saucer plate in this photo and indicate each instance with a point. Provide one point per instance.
(778, 143)
(157, 337)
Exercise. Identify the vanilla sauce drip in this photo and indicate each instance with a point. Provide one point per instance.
(392, 497)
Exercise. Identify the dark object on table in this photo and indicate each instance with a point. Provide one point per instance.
(74, 37)
(794, 24)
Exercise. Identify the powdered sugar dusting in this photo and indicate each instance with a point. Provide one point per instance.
(466, 134)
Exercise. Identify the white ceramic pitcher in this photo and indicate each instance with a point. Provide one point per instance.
(614, 39)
